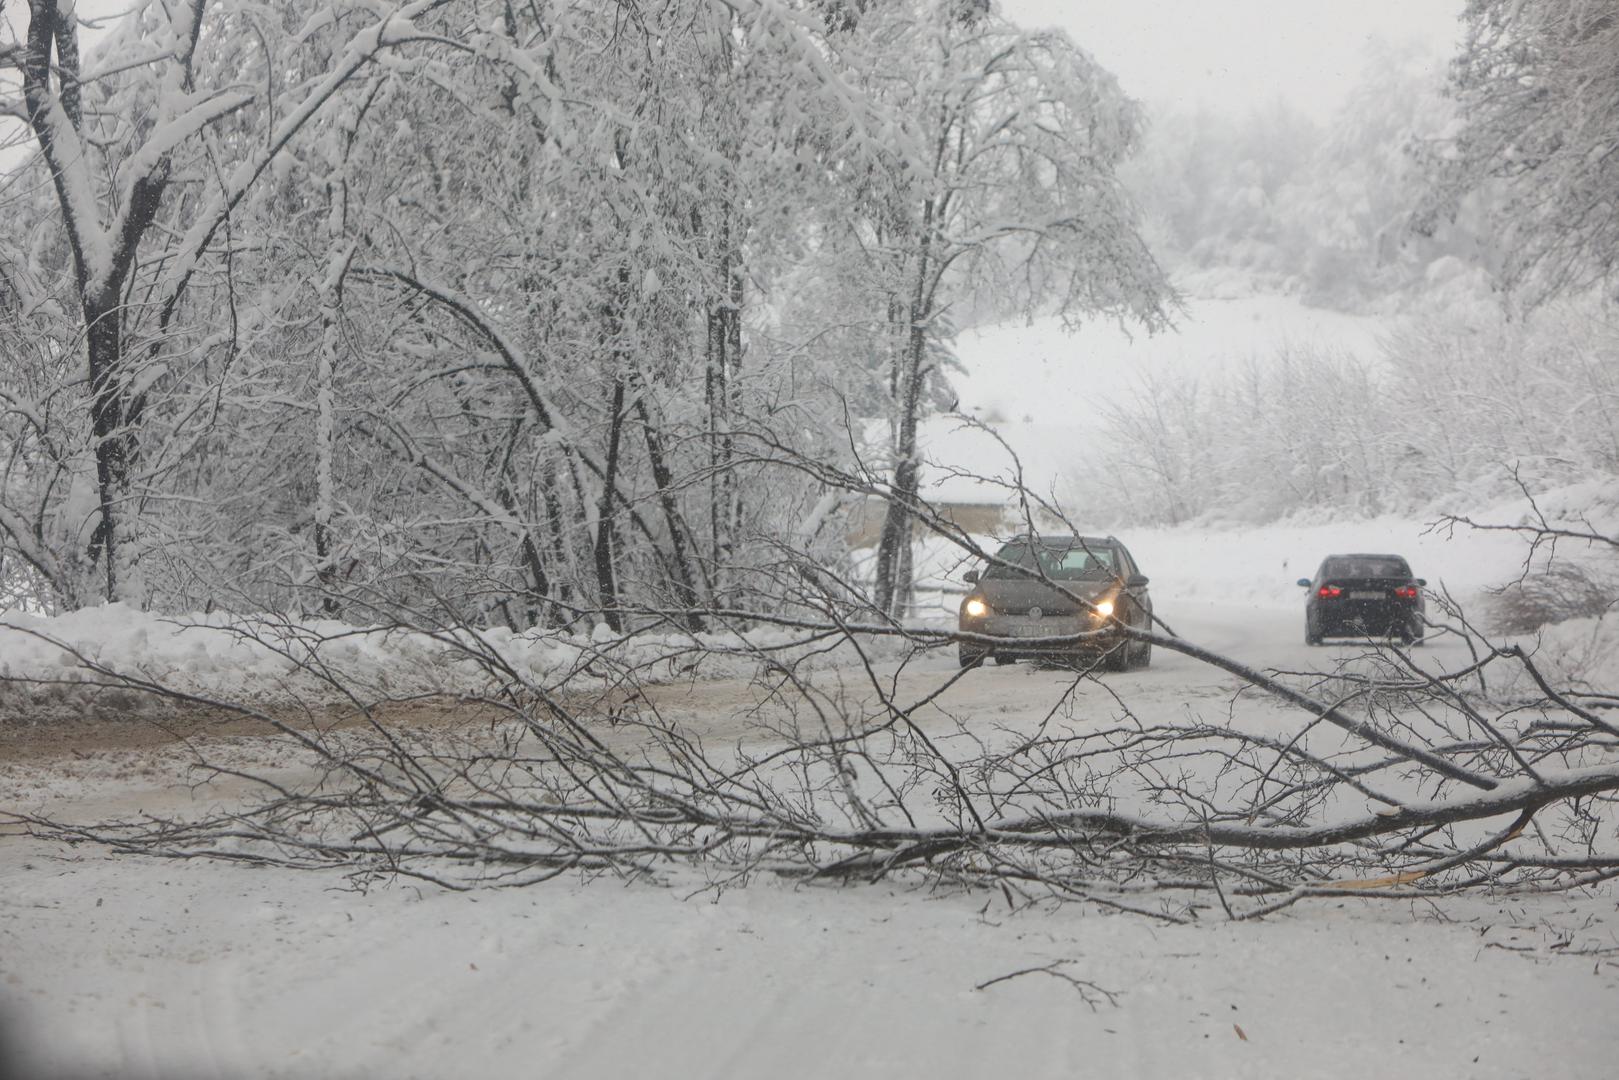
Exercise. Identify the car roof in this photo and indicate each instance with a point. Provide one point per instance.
(1065, 541)
(1365, 555)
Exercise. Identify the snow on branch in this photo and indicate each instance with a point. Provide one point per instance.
(391, 28)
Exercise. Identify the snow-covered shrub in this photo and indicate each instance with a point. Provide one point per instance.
(1565, 590)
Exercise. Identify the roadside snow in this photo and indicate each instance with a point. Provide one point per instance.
(276, 660)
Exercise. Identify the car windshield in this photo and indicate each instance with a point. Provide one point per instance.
(1057, 562)
(1367, 566)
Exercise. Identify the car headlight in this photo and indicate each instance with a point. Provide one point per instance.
(1104, 608)
(975, 607)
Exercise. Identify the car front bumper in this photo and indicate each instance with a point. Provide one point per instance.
(1025, 636)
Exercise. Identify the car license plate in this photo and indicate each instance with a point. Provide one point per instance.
(1027, 630)
(1364, 594)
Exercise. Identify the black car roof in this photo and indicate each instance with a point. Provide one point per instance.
(1365, 555)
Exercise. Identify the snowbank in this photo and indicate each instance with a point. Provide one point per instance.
(275, 660)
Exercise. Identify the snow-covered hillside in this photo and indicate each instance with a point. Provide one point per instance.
(1042, 372)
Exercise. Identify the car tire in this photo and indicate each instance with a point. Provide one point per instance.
(1144, 657)
(1117, 658)
(970, 655)
(1005, 659)
(1311, 638)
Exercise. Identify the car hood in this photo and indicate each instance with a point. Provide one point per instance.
(1016, 596)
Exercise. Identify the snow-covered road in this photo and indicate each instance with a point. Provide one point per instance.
(133, 967)
(1268, 637)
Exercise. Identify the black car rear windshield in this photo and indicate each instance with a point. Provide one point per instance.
(1366, 567)
(1057, 562)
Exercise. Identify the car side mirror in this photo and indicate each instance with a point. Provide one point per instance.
(1136, 581)
(1304, 583)
(1422, 581)
(970, 577)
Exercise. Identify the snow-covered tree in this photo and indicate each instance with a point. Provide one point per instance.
(475, 302)
(1008, 145)
(149, 146)
(1538, 91)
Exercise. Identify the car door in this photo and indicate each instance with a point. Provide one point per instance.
(1313, 600)
(1140, 610)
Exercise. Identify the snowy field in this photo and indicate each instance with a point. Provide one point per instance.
(128, 966)
(1040, 372)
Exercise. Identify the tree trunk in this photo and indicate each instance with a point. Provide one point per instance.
(606, 580)
(722, 399)
(558, 543)
(892, 586)
(893, 545)
(538, 593)
(331, 341)
(112, 429)
(680, 568)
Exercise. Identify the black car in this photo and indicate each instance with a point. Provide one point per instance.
(1363, 596)
(1042, 587)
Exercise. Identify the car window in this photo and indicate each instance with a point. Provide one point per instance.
(1127, 565)
(1366, 567)
(1057, 563)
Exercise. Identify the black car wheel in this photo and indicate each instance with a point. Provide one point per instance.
(1312, 635)
(1144, 656)
(1005, 659)
(970, 654)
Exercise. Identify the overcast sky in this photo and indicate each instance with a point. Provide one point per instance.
(1234, 55)
(1225, 55)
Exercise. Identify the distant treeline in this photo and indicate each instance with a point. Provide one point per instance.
(1441, 420)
